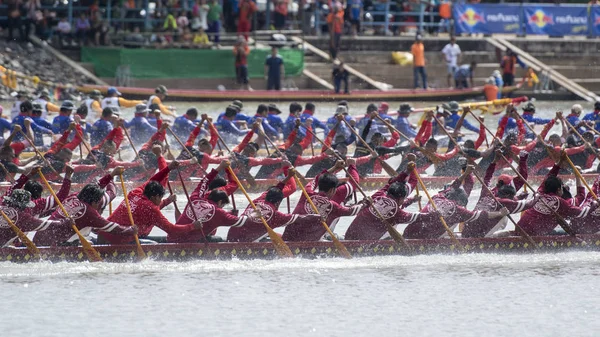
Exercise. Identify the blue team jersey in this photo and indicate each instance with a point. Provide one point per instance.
(20, 120)
(593, 117)
(60, 124)
(99, 131)
(140, 129)
(183, 127)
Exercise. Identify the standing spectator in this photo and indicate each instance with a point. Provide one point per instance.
(418, 52)
(214, 17)
(335, 22)
(281, 12)
(463, 77)
(82, 28)
(452, 54)
(274, 70)
(182, 21)
(508, 65)
(14, 19)
(99, 31)
(340, 75)
(64, 31)
(241, 51)
(32, 7)
(199, 14)
(247, 10)
(356, 14)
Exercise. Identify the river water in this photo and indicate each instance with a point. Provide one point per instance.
(468, 295)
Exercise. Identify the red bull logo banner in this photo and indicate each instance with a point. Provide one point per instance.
(487, 19)
(556, 20)
(595, 20)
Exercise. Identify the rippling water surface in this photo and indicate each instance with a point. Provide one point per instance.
(470, 295)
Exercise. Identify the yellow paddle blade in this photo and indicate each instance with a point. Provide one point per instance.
(140, 251)
(89, 251)
(339, 245)
(24, 239)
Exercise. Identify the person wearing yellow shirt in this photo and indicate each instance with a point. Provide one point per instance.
(201, 39)
(93, 103)
(114, 100)
(160, 93)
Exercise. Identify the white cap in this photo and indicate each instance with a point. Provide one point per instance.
(341, 110)
(576, 108)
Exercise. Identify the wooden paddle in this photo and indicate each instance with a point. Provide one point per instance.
(92, 254)
(140, 251)
(7, 174)
(517, 227)
(561, 221)
(578, 174)
(446, 227)
(23, 237)
(587, 144)
(204, 238)
(385, 165)
(39, 154)
(394, 234)
(336, 242)
(131, 142)
(282, 249)
(185, 148)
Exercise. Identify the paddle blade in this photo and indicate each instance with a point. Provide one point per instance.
(89, 251)
(141, 255)
(280, 247)
(397, 237)
(341, 248)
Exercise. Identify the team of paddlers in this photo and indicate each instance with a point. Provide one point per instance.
(376, 136)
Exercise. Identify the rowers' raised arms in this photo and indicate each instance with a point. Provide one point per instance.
(69, 171)
(173, 165)
(223, 165)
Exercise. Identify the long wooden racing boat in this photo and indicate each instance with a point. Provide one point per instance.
(370, 183)
(265, 250)
(304, 95)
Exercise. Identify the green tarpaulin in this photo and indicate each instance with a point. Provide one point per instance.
(184, 63)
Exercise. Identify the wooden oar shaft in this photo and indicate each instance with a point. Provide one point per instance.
(385, 165)
(425, 152)
(38, 152)
(91, 253)
(281, 247)
(578, 174)
(185, 148)
(140, 250)
(517, 227)
(441, 217)
(130, 142)
(343, 251)
(191, 205)
(210, 124)
(587, 144)
(7, 174)
(22, 236)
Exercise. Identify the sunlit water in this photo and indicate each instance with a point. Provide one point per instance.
(470, 295)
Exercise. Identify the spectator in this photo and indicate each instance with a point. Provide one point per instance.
(82, 28)
(241, 51)
(201, 39)
(100, 31)
(64, 31)
(281, 12)
(340, 74)
(136, 38)
(335, 22)
(247, 10)
(214, 17)
(43, 27)
(15, 11)
(452, 54)
(182, 21)
(356, 14)
(508, 64)
(186, 38)
(463, 77)
(32, 7)
(170, 24)
(418, 52)
(274, 70)
(199, 13)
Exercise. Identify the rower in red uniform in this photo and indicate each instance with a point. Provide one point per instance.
(268, 204)
(208, 209)
(540, 220)
(61, 152)
(389, 201)
(85, 208)
(43, 206)
(146, 202)
(17, 206)
(505, 191)
(451, 204)
(589, 224)
(328, 201)
(204, 151)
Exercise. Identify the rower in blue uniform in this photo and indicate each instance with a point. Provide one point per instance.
(102, 127)
(61, 122)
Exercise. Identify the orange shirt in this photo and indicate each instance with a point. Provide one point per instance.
(445, 10)
(418, 52)
(247, 8)
(337, 20)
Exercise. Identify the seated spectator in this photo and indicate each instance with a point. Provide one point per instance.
(43, 27)
(82, 29)
(158, 40)
(186, 38)
(99, 31)
(201, 39)
(135, 39)
(64, 31)
(182, 21)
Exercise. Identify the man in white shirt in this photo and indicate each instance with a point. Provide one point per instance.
(452, 54)
(64, 30)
